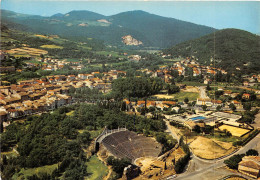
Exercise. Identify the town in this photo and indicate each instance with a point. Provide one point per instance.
(132, 95)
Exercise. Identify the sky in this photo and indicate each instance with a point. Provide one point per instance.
(218, 14)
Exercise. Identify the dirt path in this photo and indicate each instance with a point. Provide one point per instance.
(257, 121)
(191, 89)
(172, 130)
(109, 168)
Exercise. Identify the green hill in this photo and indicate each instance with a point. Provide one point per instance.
(231, 48)
(154, 31)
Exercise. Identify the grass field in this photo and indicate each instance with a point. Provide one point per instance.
(190, 83)
(51, 46)
(31, 171)
(96, 169)
(33, 61)
(113, 53)
(209, 148)
(192, 96)
(72, 60)
(235, 131)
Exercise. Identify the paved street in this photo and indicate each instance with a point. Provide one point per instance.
(202, 90)
(200, 169)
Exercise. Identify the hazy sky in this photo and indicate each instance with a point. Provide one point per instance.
(217, 14)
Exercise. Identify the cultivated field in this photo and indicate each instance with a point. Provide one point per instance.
(27, 51)
(192, 96)
(235, 131)
(41, 36)
(51, 46)
(210, 149)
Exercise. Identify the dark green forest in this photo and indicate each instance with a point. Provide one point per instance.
(54, 137)
(231, 48)
(141, 25)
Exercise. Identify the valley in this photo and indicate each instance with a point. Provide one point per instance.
(127, 96)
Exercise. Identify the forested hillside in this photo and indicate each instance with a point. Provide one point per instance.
(154, 31)
(231, 48)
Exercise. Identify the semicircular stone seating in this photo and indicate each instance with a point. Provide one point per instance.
(127, 144)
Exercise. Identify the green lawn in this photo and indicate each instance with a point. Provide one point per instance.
(113, 53)
(192, 96)
(224, 138)
(33, 61)
(96, 169)
(73, 60)
(191, 83)
(31, 171)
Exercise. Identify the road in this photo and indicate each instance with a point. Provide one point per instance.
(202, 90)
(200, 169)
(171, 131)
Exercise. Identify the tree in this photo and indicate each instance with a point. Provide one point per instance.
(84, 138)
(218, 108)
(197, 129)
(204, 107)
(186, 100)
(247, 106)
(234, 160)
(252, 152)
(232, 107)
(208, 88)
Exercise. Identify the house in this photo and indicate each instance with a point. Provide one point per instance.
(5, 89)
(140, 103)
(13, 113)
(150, 104)
(237, 103)
(216, 102)
(245, 83)
(170, 103)
(8, 101)
(227, 92)
(246, 96)
(250, 165)
(21, 95)
(3, 116)
(27, 110)
(201, 102)
(71, 77)
(90, 76)
(82, 76)
(135, 58)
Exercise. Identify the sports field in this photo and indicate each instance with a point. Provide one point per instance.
(192, 96)
(235, 131)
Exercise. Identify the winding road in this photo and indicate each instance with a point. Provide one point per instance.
(202, 169)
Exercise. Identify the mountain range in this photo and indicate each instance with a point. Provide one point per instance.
(152, 30)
